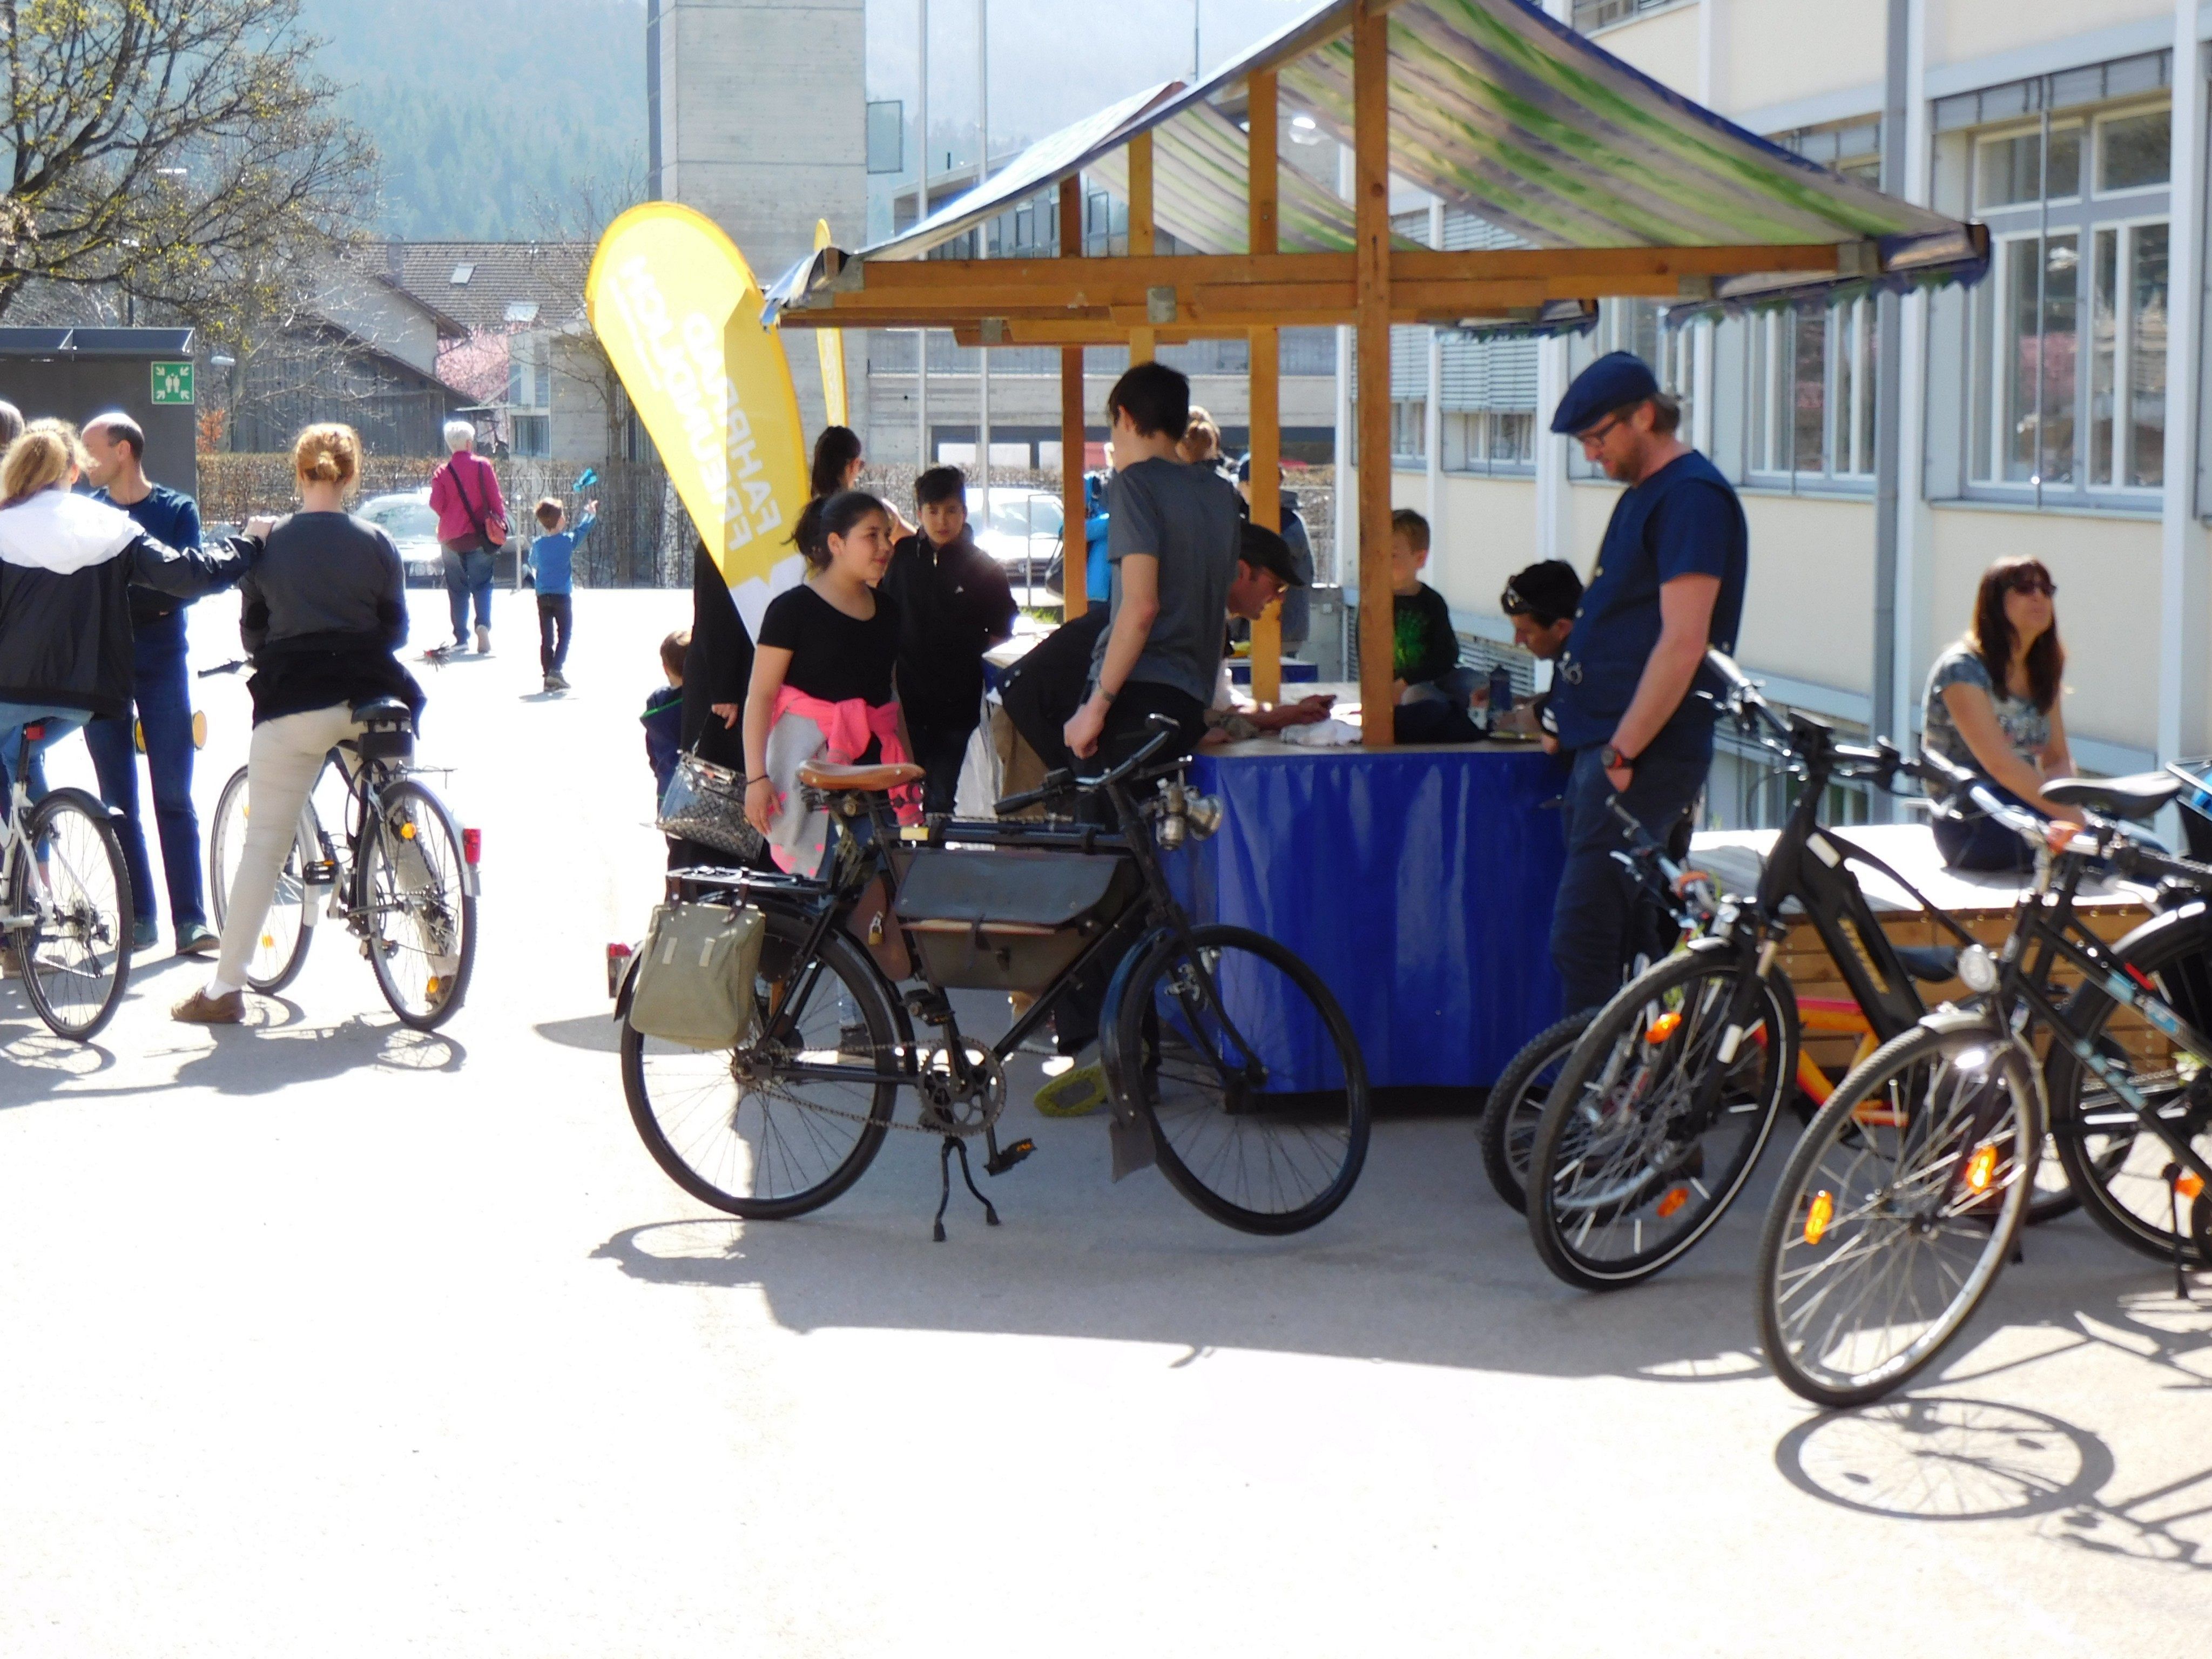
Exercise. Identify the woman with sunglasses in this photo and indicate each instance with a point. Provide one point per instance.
(1992, 706)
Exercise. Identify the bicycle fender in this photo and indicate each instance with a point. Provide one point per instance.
(628, 987)
(1958, 1019)
(1109, 1024)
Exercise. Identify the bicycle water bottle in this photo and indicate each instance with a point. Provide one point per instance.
(1501, 692)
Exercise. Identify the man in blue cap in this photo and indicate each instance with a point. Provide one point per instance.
(1668, 582)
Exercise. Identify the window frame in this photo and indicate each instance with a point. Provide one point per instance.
(1859, 327)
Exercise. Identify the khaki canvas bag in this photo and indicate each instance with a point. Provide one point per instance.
(695, 976)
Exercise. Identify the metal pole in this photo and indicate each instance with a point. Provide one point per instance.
(983, 252)
(1888, 414)
(922, 212)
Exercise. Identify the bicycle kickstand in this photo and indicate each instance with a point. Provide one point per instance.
(954, 1143)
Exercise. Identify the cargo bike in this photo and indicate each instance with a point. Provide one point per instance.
(1227, 1061)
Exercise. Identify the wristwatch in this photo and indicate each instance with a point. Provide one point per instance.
(1611, 759)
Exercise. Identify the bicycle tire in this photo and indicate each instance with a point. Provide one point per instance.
(1515, 1105)
(1306, 1145)
(1845, 1150)
(701, 1098)
(288, 929)
(2115, 1169)
(82, 940)
(428, 929)
(1607, 1152)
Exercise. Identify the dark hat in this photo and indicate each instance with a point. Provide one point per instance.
(1613, 381)
(1263, 549)
(1548, 591)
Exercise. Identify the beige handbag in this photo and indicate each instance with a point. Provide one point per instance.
(694, 976)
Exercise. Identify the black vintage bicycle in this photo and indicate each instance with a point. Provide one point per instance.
(1228, 1060)
(1902, 1202)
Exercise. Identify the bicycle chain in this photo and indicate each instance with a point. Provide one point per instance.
(940, 1128)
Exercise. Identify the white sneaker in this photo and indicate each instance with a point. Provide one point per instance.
(483, 641)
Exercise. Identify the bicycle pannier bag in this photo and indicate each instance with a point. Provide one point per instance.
(1013, 920)
(694, 976)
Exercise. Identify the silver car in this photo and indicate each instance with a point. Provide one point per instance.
(407, 518)
(1023, 532)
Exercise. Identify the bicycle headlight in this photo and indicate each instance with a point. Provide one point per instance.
(1205, 814)
(1977, 969)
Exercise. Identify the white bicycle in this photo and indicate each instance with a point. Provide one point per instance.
(63, 890)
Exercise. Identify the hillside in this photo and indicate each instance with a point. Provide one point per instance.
(559, 118)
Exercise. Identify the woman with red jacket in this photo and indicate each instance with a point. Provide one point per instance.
(471, 523)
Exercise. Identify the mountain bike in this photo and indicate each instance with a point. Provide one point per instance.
(1227, 1059)
(1658, 1114)
(402, 876)
(64, 899)
(1904, 1201)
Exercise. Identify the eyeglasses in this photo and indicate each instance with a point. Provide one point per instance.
(1598, 433)
(2028, 581)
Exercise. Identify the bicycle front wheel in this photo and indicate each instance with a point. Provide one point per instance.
(281, 951)
(76, 891)
(734, 1127)
(1516, 1105)
(1656, 1119)
(1896, 1212)
(420, 915)
(1248, 1073)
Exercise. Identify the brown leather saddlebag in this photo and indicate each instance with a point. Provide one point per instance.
(1012, 918)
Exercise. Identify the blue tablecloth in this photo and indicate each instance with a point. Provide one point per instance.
(1418, 881)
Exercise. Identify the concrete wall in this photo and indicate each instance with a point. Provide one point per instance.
(1966, 29)
(1773, 52)
(1664, 45)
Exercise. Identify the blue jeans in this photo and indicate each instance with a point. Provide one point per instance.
(468, 576)
(164, 709)
(1593, 921)
(14, 717)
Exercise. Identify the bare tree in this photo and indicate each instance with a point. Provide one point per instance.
(180, 151)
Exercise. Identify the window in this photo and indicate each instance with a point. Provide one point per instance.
(1813, 394)
(533, 435)
(1637, 325)
(2134, 152)
(461, 274)
(1409, 431)
(2127, 360)
(1489, 440)
(1602, 14)
(2008, 168)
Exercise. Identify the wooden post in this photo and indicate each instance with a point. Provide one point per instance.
(1074, 547)
(1142, 341)
(1267, 381)
(1370, 127)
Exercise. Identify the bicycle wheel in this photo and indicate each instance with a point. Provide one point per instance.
(75, 888)
(1628, 1171)
(732, 1129)
(1248, 1073)
(2116, 1167)
(421, 917)
(1516, 1105)
(1897, 1211)
(290, 929)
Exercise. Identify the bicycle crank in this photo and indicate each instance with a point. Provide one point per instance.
(950, 1107)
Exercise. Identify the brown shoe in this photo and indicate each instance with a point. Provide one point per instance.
(201, 1009)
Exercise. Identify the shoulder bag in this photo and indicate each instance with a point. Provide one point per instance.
(494, 532)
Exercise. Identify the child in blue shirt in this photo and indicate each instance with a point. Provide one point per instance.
(552, 569)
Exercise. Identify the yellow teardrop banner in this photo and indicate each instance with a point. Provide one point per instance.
(830, 343)
(675, 306)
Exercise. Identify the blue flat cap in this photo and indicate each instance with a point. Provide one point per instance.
(1613, 381)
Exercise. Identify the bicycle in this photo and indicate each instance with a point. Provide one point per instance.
(403, 877)
(1228, 1060)
(1900, 1207)
(64, 895)
(1659, 1114)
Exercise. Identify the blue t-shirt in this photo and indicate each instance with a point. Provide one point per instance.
(1684, 521)
(552, 558)
(172, 518)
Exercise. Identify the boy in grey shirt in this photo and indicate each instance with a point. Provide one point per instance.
(1172, 541)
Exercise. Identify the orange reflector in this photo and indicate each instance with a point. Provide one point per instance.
(1981, 1166)
(1675, 1199)
(1818, 1214)
(406, 832)
(269, 941)
(2189, 1184)
(431, 990)
(1664, 1027)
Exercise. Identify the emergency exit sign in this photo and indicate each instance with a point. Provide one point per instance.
(172, 383)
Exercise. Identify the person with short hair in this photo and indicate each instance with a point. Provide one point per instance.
(552, 571)
(11, 423)
(954, 604)
(471, 525)
(1540, 602)
(161, 706)
(1669, 583)
(1425, 646)
(663, 721)
(1296, 618)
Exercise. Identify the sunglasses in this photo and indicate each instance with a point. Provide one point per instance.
(2028, 582)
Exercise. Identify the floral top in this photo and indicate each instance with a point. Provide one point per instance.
(2027, 727)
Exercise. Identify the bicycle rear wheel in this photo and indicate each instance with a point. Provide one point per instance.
(1516, 1105)
(1896, 1212)
(281, 951)
(76, 889)
(732, 1127)
(1628, 1171)
(1248, 1073)
(421, 916)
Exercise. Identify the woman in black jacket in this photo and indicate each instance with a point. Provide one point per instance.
(67, 562)
(324, 609)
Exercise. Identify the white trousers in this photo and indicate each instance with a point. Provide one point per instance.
(280, 769)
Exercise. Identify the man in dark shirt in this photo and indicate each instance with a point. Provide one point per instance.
(954, 604)
(1668, 582)
(162, 707)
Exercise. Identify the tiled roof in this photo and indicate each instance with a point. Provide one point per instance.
(504, 279)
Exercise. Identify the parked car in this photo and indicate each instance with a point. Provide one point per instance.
(406, 517)
(1023, 534)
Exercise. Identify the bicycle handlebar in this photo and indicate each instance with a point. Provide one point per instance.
(1064, 783)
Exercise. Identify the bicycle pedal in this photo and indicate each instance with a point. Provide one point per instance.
(1007, 1157)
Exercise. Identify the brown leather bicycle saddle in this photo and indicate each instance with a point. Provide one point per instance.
(819, 775)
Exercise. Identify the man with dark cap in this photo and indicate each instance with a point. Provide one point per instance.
(1668, 582)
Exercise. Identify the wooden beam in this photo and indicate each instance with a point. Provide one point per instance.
(1370, 128)
(1262, 160)
(1142, 341)
(1074, 549)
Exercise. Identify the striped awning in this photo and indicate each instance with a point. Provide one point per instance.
(1497, 108)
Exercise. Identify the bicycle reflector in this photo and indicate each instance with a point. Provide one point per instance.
(1675, 1199)
(1818, 1214)
(1977, 969)
(1981, 1167)
(472, 846)
(1664, 1027)
(2189, 1184)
